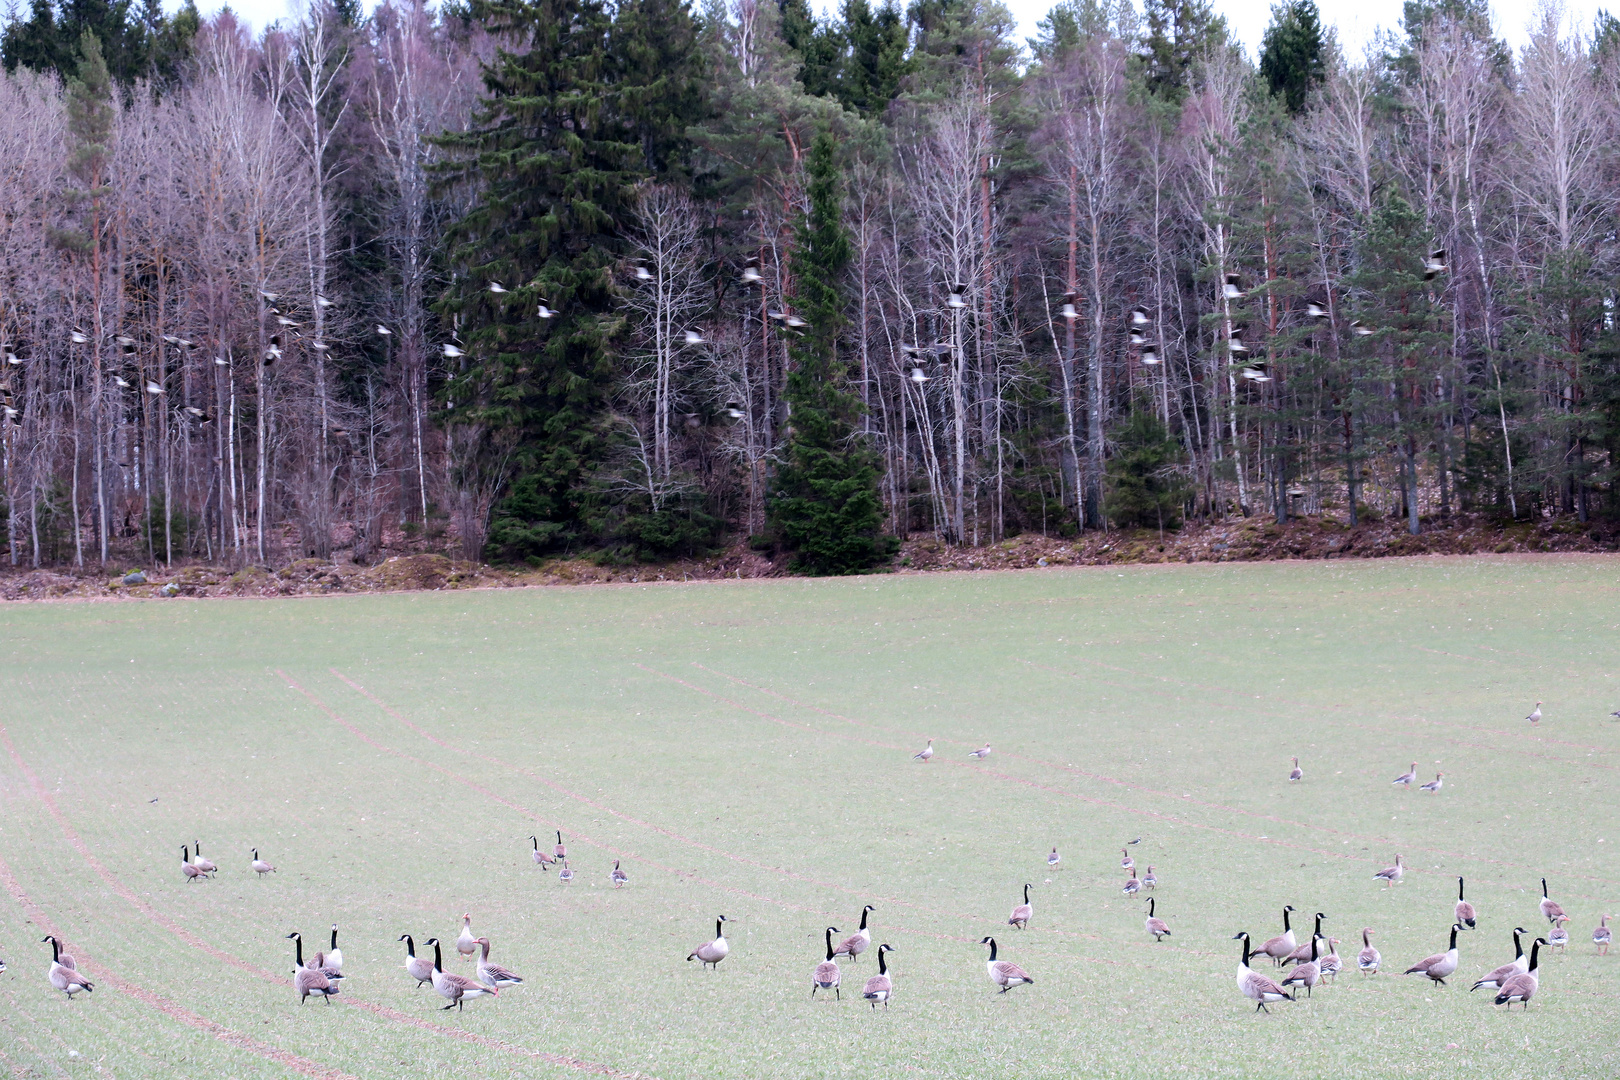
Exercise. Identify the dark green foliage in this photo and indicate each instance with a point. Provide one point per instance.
(1180, 33)
(631, 531)
(659, 79)
(134, 42)
(874, 62)
(90, 117)
(1146, 485)
(1069, 24)
(825, 507)
(1291, 54)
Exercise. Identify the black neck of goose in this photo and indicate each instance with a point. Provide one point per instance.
(1544, 888)
(1026, 894)
(1243, 949)
(438, 958)
(883, 968)
(719, 928)
(1318, 928)
(829, 943)
(1151, 903)
(1286, 926)
(56, 951)
(992, 950)
(334, 939)
(1535, 954)
(410, 947)
(1518, 950)
(1453, 936)
(536, 840)
(1313, 948)
(298, 950)
(863, 918)
(1459, 888)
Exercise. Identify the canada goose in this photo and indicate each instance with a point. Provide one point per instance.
(322, 301)
(1004, 973)
(1149, 880)
(1391, 874)
(1434, 264)
(1368, 959)
(712, 952)
(1230, 289)
(466, 944)
(1022, 913)
(919, 376)
(926, 754)
(1440, 965)
(1535, 717)
(334, 955)
(618, 877)
(1256, 987)
(261, 867)
(1522, 987)
(65, 976)
(1125, 860)
(1137, 337)
(956, 295)
(1549, 906)
(560, 851)
(642, 273)
(750, 273)
(692, 337)
(545, 312)
(1234, 342)
(383, 331)
(859, 941)
(187, 867)
(417, 967)
(880, 987)
(1306, 974)
(199, 862)
(1406, 778)
(1053, 858)
(1434, 785)
(493, 974)
(1558, 937)
(1464, 910)
(309, 980)
(121, 382)
(1602, 936)
(79, 337)
(1155, 925)
(827, 976)
(1139, 316)
(981, 753)
(1331, 964)
(454, 988)
(58, 956)
(1297, 773)
(566, 874)
(541, 859)
(1361, 329)
(1150, 354)
(452, 351)
(497, 288)
(153, 388)
(1303, 952)
(1518, 964)
(1313, 310)
(315, 963)
(1283, 944)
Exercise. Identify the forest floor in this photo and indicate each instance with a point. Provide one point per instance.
(1253, 539)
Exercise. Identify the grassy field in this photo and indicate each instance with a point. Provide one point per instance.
(746, 749)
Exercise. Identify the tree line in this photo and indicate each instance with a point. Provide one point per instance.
(533, 277)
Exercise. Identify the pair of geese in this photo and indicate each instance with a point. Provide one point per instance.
(1407, 778)
(926, 754)
(559, 854)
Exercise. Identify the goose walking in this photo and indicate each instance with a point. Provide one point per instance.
(1125, 860)
(1149, 881)
(1535, 715)
(560, 851)
(1155, 925)
(1549, 907)
(1558, 937)
(926, 754)
(1391, 874)
(199, 862)
(1283, 944)
(493, 974)
(1133, 884)
(981, 753)
(466, 944)
(309, 980)
(58, 956)
(566, 874)
(417, 967)
(827, 976)
(455, 989)
(1004, 973)
(1436, 784)
(1368, 959)
(1297, 773)
(1307, 974)
(187, 867)
(334, 955)
(1407, 778)
(65, 977)
(619, 878)
(1331, 964)
(1053, 858)
(1258, 988)
(860, 940)
(315, 963)
(541, 859)
(1516, 966)
(1464, 910)
(261, 867)
(1439, 966)
(1022, 913)
(712, 952)
(1602, 936)
(1522, 987)
(880, 987)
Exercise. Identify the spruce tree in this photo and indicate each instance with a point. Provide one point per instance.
(555, 173)
(1291, 54)
(1180, 34)
(825, 507)
(659, 80)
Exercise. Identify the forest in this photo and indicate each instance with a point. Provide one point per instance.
(513, 279)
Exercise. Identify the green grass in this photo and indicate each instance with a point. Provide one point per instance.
(745, 748)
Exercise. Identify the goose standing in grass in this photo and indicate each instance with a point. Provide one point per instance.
(58, 956)
(541, 859)
(417, 967)
(315, 963)
(1558, 937)
(1436, 784)
(926, 754)
(1549, 907)
(1535, 716)
(1004, 973)
(1306, 974)
(334, 955)
(1602, 936)
(712, 952)
(493, 974)
(860, 940)
(1155, 925)
(827, 976)
(1149, 881)
(1283, 944)
(1022, 913)
(1133, 884)
(1125, 860)
(1368, 959)
(560, 851)
(187, 867)
(981, 753)
(1053, 858)
(466, 944)
(1516, 966)
(880, 987)
(1464, 910)
(1331, 964)
(65, 977)
(199, 862)
(566, 874)
(1258, 988)
(1391, 874)
(1407, 778)
(1297, 773)
(1439, 966)
(309, 980)
(1302, 953)
(618, 877)
(454, 988)
(1522, 987)
(261, 867)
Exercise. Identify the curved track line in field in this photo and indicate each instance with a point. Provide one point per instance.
(721, 852)
(163, 1005)
(1130, 785)
(386, 1012)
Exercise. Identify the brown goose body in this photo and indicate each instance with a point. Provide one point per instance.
(827, 976)
(456, 989)
(1280, 946)
(1149, 881)
(1550, 909)
(1297, 773)
(619, 878)
(1307, 974)
(560, 851)
(710, 953)
(1464, 911)
(466, 944)
(859, 941)
(1258, 988)
(1155, 925)
(1391, 875)
(1302, 953)
(1439, 966)
(1603, 936)
(1523, 986)
(261, 867)
(1004, 973)
(1022, 913)
(493, 974)
(199, 862)
(58, 956)
(880, 987)
(1495, 979)
(65, 977)
(309, 980)
(1368, 959)
(1332, 963)
(541, 859)
(419, 968)
(1407, 778)
(1558, 937)
(1133, 884)
(187, 867)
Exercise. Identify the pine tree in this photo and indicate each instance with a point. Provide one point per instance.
(1180, 34)
(1291, 54)
(660, 84)
(825, 507)
(556, 174)
(874, 60)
